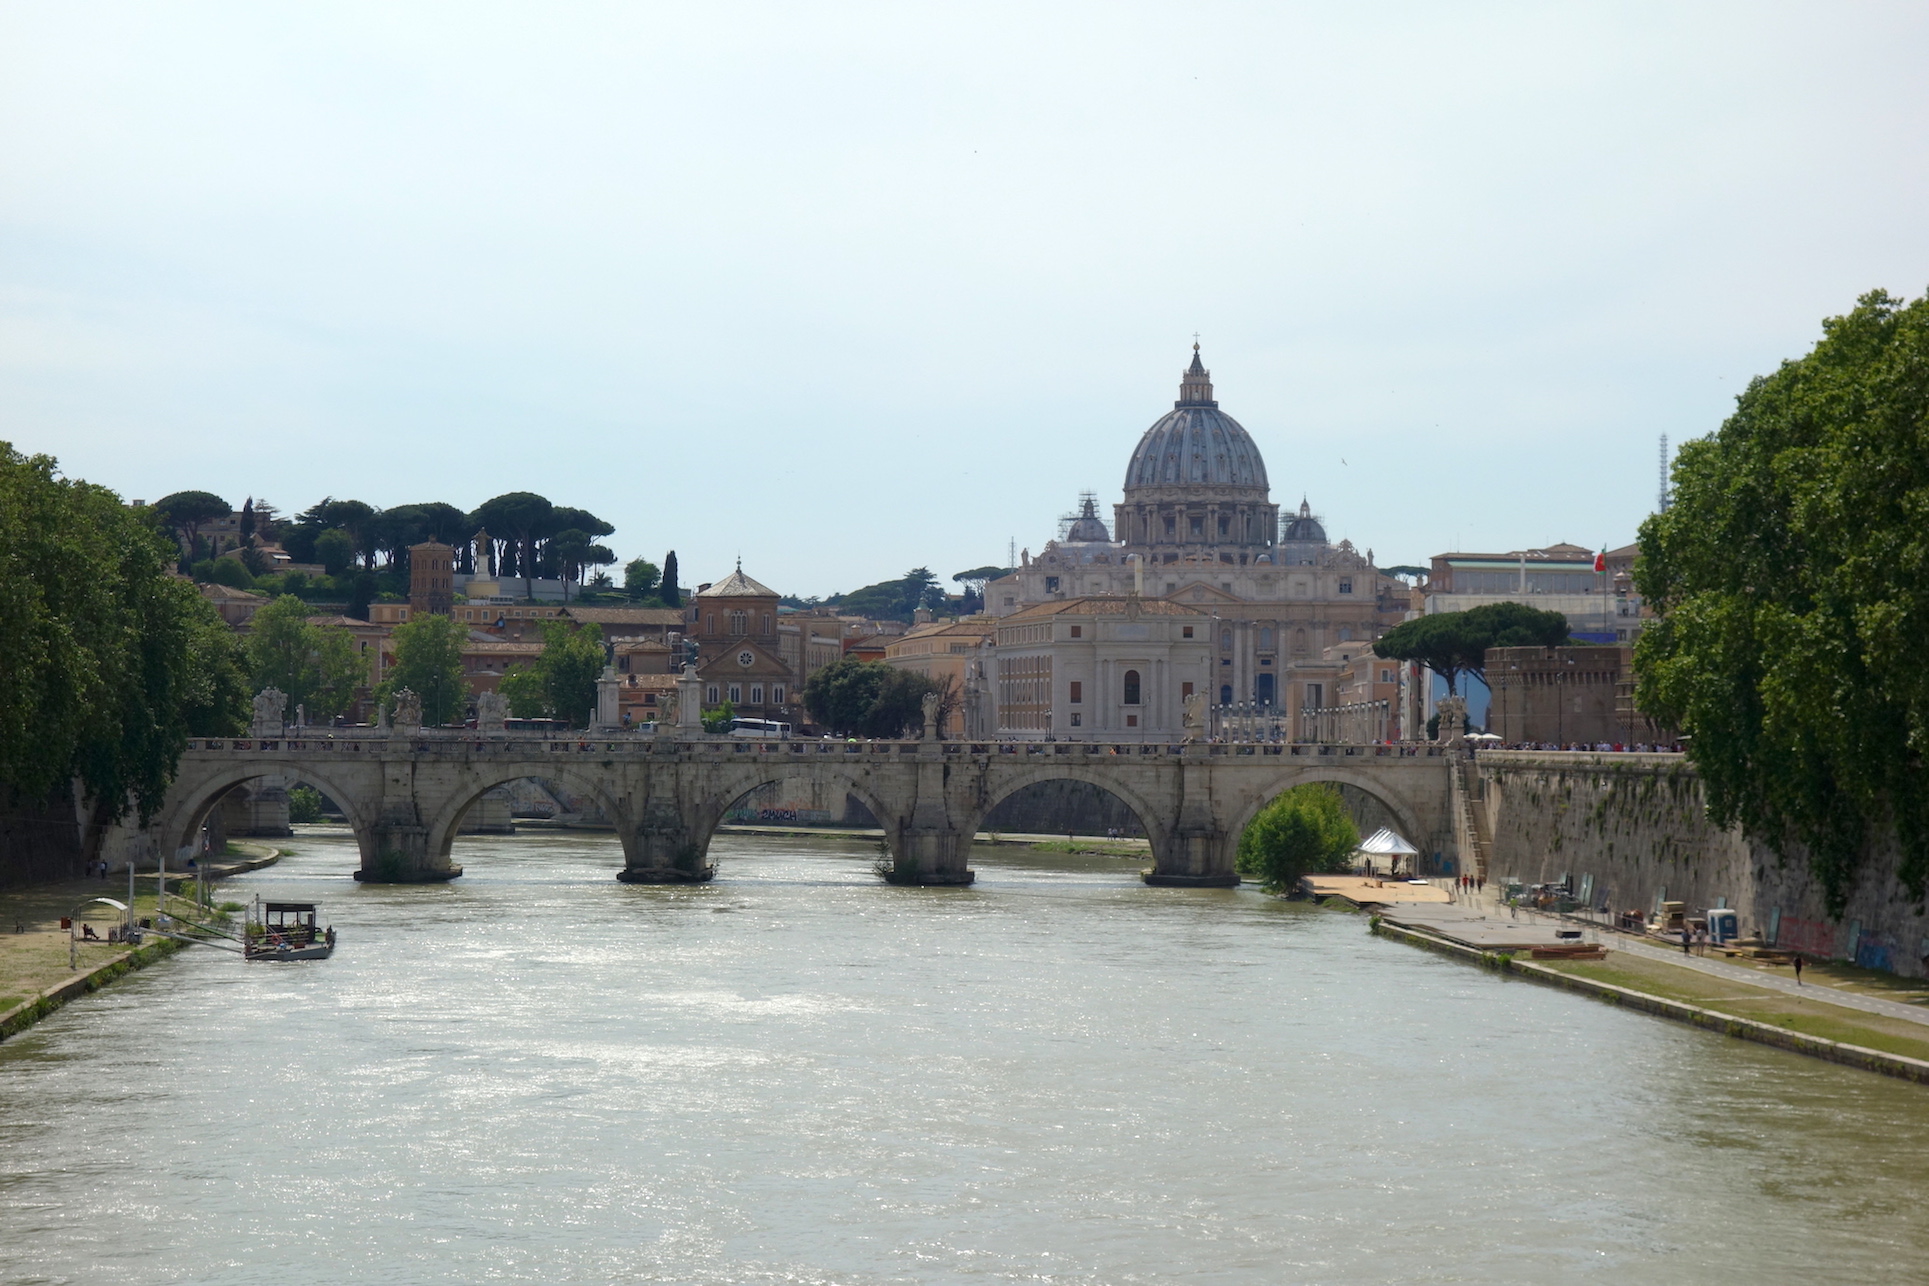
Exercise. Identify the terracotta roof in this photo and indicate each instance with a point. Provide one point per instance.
(737, 585)
(624, 615)
(228, 594)
(1105, 606)
(976, 627)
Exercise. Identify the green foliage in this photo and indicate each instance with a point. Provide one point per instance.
(561, 684)
(1792, 574)
(185, 511)
(522, 686)
(304, 804)
(1306, 831)
(668, 591)
(895, 600)
(318, 667)
(428, 662)
(978, 576)
(1455, 643)
(335, 550)
(640, 577)
(717, 719)
(231, 572)
(101, 678)
(867, 698)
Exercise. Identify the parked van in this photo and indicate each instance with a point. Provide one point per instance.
(759, 729)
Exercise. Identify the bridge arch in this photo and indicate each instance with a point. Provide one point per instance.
(197, 798)
(1003, 786)
(708, 815)
(445, 822)
(1247, 806)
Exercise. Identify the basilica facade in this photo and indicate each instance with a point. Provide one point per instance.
(1196, 531)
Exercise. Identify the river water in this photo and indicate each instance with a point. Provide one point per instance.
(800, 1074)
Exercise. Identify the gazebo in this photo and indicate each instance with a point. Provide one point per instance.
(1387, 843)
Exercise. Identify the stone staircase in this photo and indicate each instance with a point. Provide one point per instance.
(1469, 820)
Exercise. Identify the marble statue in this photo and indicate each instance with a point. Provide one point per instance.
(408, 709)
(270, 703)
(931, 701)
(492, 711)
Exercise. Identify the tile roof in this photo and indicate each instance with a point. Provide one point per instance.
(737, 585)
(1105, 606)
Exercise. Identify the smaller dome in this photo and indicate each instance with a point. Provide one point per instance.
(1305, 528)
(1088, 528)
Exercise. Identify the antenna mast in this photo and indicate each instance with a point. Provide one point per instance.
(1661, 494)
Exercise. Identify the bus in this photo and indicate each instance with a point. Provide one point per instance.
(759, 729)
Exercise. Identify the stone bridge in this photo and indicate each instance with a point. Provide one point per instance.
(405, 793)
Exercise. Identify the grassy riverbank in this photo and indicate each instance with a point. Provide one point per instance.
(34, 960)
(1810, 1016)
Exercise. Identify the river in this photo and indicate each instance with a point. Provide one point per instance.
(801, 1074)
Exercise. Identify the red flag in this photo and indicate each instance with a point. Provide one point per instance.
(1600, 561)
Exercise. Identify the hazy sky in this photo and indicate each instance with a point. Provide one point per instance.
(848, 288)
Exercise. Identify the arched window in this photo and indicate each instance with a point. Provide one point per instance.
(1225, 640)
(737, 623)
(1266, 639)
(1131, 687)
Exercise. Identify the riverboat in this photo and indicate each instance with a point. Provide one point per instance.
(287, 931)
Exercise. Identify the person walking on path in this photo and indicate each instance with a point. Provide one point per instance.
(1686, 941)
(1798, 968)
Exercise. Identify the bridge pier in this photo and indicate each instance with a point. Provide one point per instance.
(666, 849)
(1195, 859)
(930, 857)
(399, 853)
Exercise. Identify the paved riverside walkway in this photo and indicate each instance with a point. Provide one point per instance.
(1489, 905)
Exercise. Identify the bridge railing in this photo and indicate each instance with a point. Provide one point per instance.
(439, 742)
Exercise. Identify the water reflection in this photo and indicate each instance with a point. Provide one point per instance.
(537, 1073)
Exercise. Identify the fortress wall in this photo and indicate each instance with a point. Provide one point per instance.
(1637, 824)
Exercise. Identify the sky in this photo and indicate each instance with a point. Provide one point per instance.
(846, 289)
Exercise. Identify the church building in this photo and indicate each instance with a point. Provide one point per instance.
(1196, 529)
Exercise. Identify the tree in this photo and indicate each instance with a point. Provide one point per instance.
(717, 719)
(1306, 831)
(978, 577)
(335, 550)
(640, 577)
(896, 600)
(318, 667)
(1452, 643)
(668, 591)
(428, 662)
(517, 518)
(111, 663)
(187, 510)
(232, 572)
(522, 687)
(572, 551)
(867, 698)
(1789, 573)
(248, 523)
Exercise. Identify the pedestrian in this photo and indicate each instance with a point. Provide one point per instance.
(1687, 941)
(1798, 968)
(1480, 884)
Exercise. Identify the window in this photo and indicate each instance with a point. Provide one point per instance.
(1168, 524)
(1263, 689)
(1185, 631)
(1225, 526)
(1198, 526)
(710, 623)
(738, 622)
(1131, 687)
(1078, 631)
(1266, 639)
(1225, 640)
(1315, 697)
(756, 694)
(1225, 694)
(710, 694)
(766, 622)
(1051, 584)
(1078, 692)
(1077, 719)
(736, 694)
(1185, 690)
(1172, 587)
(1386, 676)
(1346, 584)
(776, 694)
(1131, 721)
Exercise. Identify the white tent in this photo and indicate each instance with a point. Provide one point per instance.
(1385, 842)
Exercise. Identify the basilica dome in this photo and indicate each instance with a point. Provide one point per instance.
(1195, 445)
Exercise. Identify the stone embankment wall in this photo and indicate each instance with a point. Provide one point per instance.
(1637, 825)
